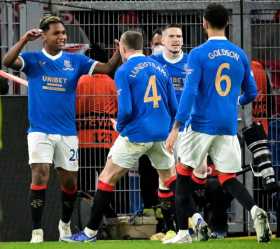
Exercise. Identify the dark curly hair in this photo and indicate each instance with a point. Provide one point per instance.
(216, 15)
(47, 20)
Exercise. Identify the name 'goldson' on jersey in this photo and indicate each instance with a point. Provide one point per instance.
(146, 100)
(217, 72)
(52, 82)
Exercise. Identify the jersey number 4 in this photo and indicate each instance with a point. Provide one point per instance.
(222, 77)
(154, 98)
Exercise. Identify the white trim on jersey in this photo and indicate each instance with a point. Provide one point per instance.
(135, 55)
(52, 57)
(23, 63)
(217, 38)
(90, 72)
(173, 61)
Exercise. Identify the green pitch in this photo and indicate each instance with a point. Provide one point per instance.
(246, 243)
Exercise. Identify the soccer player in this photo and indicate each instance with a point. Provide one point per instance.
(175, 61)
(146, 98)
(156, 42)
(172, 56)
(167, 50)
(217, 72)
(52, 137)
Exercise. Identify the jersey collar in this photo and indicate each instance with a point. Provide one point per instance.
(135, 55)
(175, 60)
(217, 38)
(52, 57)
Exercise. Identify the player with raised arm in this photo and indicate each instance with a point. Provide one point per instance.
(217, 72)
(52, 137)
(146, 98)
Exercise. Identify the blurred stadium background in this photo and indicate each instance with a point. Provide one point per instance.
(93, 26)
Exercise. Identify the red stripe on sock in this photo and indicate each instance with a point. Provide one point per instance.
(165, 194)
(169, 181)
(69, 191)
(105, 186)
(200, 181)
(38, 187)
(223, 177)
(183, 170)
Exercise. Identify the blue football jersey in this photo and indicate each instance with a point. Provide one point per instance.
(147, 103)
(52, 82)
(217, 72)
(176, 69)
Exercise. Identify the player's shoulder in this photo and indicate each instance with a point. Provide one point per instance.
(158, 64)
(240, 51)
(35, 53)
(73, 55)
(76, 57)
(121, 70)
(157, 57)
(198, 51)
(237, 49)
(185, 57)
(233, 45)
(131, 63)
(202, 47)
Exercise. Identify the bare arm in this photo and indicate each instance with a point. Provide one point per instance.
(11, 58)
(110, 66)
(172, 137)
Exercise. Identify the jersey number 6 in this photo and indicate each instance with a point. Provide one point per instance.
(222, 77)
(154, 98)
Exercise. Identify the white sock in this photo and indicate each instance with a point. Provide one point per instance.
(196, 217)
(89, 232)
(253, 211)
(63, 223)
(183, 232)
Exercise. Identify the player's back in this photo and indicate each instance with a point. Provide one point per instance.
(224, 71)
(146, 100)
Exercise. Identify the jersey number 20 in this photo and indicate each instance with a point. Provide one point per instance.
(220, 78)
(154, 97)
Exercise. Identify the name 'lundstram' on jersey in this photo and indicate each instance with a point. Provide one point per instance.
(52, 82)
(218, 71)
(147, 103)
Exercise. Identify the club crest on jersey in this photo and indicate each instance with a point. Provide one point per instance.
(188, 70)
(119, 92)
(67, 66)
(42, 63)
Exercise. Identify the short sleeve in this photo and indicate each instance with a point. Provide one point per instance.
(86, 64)
(27, 60)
